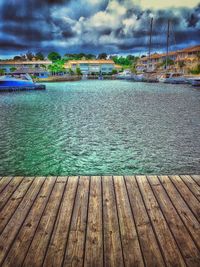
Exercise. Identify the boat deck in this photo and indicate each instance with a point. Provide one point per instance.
(100, 221)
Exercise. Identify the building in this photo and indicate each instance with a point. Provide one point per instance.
(36, 68)
(94, 66)
(184, 60)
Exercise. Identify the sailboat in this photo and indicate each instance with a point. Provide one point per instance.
(150, 75)
(171, 77)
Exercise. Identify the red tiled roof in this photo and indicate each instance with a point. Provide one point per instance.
(185, 50)
(195, 48)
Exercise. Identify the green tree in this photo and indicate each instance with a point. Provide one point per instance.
(57, 67)
(17, 58)
(123, 61)
(198, 56)
(196, 70)
(39, 56)
(12, 69)
(181, 64)
(131, 57)
(78, 71)
(29, 55)
(2, 71)
(54, 56)
(168, 62)
(102, 56)
(71, 71)
(90, 56)
(114, 71)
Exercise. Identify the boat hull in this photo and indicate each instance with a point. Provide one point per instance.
(196, 83)
(22, 88)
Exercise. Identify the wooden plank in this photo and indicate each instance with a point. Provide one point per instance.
(184, 241)
(76, 241)
(112, 245)
(7, 193)
(18, 217)
(150, 247)
(192, 185)
(187, 195)
(130, 243)
(169, 247)
(187, 216)
(196, 178)
(94, 238)
(38, 247)
(56, 249)
(4, 182)
(23, 240)
(13, 202)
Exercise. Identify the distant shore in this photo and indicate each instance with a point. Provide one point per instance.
(72, 78)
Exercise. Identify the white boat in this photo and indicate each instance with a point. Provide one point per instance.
(138, 77)
(125, 75)
(21, 82)
(194, 81)
(173, 78)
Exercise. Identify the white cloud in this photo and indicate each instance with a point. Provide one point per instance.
(159, 4)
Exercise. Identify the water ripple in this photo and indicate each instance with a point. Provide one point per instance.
(100, 127)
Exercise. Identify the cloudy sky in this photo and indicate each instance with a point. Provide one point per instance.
(95, 26)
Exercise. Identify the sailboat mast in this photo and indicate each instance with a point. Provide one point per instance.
(167, 44)
(150, 41)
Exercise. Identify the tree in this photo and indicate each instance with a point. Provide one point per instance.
(168, 62)
(17, 58)
(102, 56)
(2, 71)
(39, 56)
(198, 55)
(196, 70)
(53, 56)
(114, 71)
(78, 71)
(90, 56)
(131, 57)
(71, 71)
(57, 67)
(181, 64)
(12, 69)
(29, 55)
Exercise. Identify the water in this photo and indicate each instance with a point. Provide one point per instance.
(100, 127)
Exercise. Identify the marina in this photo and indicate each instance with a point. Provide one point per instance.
(99, 133)
(100, 221)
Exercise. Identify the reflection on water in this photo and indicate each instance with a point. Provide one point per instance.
(100, 127)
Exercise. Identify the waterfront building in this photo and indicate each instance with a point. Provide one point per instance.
(91, 66)
(35, 68)
(184, 60)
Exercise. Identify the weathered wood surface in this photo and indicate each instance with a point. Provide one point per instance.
(100, 221)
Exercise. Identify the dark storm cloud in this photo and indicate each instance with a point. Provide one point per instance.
(90, 25)
(13, 45)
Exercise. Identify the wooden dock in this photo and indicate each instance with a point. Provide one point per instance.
(100, 221)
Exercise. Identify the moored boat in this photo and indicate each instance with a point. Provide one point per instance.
(173, 78)
(125, 75)
(194, 81)
(22, 82)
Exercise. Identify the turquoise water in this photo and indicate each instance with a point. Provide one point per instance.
(100, 127)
